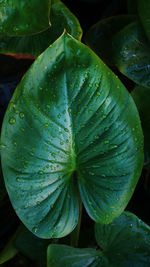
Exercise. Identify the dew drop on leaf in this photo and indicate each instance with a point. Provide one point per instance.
(21, 115)
(12, 121)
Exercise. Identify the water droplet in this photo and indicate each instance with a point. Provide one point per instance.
(21, 115)
(17, 179)
(98, 93)
(34, 229)
(112, 146)
(104, 116)
(12, 121)
(66, 130)
(59, 116)
(106, 142)
(46, 125)
(40, 172)
(31, 153)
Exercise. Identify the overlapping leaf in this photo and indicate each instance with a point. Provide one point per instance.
(124, 242)
(131, 54)
(61, 18)
(70, 114)
(100, 36)
(21, 17)
(61, 255)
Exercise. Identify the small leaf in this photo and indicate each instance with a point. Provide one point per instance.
(125, 242)
(19, 18)
(34, 45)
(141, 96)
(70, 114)
(144, 13)
(131, 54)
(61, 255)
(99, 37)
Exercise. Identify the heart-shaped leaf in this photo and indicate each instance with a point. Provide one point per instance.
(141, 96)
(70, 117)
(144, 13)
(99, 37)
(125, 242)
(61, 255)
(131, 53)
(34, 45)
(21, 17)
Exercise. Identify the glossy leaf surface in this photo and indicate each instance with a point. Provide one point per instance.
(70, 114)
(125, 242)
(61, 255)
(144, 13)
(131, 53)
(21, 17)
(99, 37)
(141, 96)
(34, 45)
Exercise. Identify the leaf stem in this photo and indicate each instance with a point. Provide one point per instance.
(74, 237)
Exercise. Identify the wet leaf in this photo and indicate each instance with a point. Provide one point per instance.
(100, 36)
(125, 242)
(131, 54)
(73, 117)
(61, 18)
(19, 18)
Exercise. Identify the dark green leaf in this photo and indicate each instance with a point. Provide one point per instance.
(125, 242)
(21, 17)
(61, 255)
(144, 13)
(70, 113)
(132, 7)
(131, 54)
(99, 37)
(141, 96)
(34, 45)
(31, 246)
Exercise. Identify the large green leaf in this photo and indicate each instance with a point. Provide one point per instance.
(34, 45)
(141, 96)
(99, 37)
(144, 13)
(21, 17)
(125, 242)
(131, 53)
(70, 114)
(61, 255)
